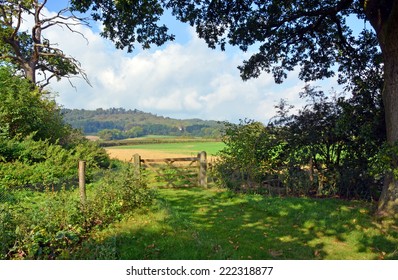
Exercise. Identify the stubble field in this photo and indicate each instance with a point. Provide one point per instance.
(169, 150)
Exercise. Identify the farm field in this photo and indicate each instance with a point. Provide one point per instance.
(164, 150)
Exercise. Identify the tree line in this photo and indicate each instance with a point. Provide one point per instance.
(119, 123)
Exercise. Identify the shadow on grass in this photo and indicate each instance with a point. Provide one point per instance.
(217, 224)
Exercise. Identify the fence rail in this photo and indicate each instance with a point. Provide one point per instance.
(161, 166)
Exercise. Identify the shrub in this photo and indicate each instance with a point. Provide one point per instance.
(115, 194)
(31, 163)
(249, 158)
(50, 225)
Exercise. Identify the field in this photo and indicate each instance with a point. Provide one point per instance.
(164, 150)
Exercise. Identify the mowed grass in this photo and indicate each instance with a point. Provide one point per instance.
(213, 223)
(190, 148)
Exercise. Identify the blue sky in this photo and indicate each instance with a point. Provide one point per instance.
(182, 79)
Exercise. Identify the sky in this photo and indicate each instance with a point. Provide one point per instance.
(182, 79)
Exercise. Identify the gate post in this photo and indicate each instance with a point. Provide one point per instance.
(202, 169)
(82, 182)
(137, 165)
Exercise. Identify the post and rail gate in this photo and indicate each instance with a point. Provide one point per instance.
(165, 168)
(201, 167)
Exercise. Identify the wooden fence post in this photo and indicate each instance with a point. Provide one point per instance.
(82, 182)
(137, 165)
(202, 169)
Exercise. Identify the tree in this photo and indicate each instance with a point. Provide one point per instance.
(30, 52)
(340, 139)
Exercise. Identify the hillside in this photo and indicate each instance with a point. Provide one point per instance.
(135, 123)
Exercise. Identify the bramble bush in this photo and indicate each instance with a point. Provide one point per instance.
(52, 224)
(40, 164)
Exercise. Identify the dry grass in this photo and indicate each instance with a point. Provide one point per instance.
(127, 154)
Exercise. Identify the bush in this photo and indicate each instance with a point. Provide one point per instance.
(116, 194)
(31, 163)
(331, 147)
(26, 109)
(51, 225)
(251, 157)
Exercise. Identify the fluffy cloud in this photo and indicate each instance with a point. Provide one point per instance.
(182, 80)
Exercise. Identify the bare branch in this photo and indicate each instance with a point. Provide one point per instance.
(40, 7)
(19, 20)
(35, 55)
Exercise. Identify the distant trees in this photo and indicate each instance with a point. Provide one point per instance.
(119, 123)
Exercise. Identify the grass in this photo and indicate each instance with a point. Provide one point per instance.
(179, 148)
(198, 223)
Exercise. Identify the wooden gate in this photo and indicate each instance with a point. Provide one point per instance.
(176, 172)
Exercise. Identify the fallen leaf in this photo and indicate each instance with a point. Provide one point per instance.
(275, 253)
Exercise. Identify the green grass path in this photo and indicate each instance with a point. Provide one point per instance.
(207, 224)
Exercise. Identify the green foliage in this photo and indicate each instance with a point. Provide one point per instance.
(115, 194)
(386, 160)
(31, 163)
(251, 156)
(25, 110)
(118, 123)
(52, 224)
(330, 147)
(128, 22)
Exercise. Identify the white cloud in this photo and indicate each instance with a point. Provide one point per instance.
(178, 80)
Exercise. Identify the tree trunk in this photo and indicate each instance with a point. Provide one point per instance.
(384, 19)
(30, 72)
(388, 203)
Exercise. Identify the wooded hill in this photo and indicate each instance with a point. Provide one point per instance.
(119, 123)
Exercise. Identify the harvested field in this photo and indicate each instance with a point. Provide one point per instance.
(165, 150)
(127, 154)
